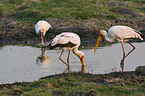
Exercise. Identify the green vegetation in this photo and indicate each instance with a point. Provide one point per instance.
(33, 10)
(80, 84)
(85, 17)
(80, 16)
(18, 17)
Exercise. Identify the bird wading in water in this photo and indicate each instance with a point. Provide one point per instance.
(41, 27)
(68, 41)
(122, 34)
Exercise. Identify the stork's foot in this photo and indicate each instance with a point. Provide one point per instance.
(68, 66)
(122, 65)
(67, 70)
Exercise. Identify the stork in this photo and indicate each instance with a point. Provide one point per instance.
(68, 41)
(41, 27)
(122, 34)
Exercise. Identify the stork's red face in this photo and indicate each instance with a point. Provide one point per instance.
(98, 41)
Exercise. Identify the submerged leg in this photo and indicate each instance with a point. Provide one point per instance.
(61, 59)
(83, 69)
(43, 54)
(67, 70)
(124, 56)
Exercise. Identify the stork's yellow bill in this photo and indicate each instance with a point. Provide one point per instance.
(98, 41)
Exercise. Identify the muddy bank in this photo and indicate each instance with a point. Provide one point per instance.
(18, 33)
(81, 84)
(108, 78)
(85, 21)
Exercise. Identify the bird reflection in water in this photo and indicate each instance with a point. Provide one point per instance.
(43, 61)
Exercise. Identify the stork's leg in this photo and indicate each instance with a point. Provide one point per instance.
(67, 70)
(42, 41)
(131, 50)
(45, 39)
(124, 56)
(61, 59)
(43, 52)
(68, 58)
(122, 61)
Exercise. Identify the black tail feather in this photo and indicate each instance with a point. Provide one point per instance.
(140, 34)
(69, 44)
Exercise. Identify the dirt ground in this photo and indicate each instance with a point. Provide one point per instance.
(134, 79)
(18, 33)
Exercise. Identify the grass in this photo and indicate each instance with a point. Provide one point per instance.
(72, 84)
(91, 15)
(33, 10)
(80, 16)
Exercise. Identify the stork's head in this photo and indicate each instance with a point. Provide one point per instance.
(80, 54)
(101, 35)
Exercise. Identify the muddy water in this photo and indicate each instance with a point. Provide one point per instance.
(26, 63)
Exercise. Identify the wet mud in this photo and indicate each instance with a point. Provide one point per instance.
(111, 80)
(18, 33)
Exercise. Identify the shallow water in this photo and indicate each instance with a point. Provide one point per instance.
(26, 63)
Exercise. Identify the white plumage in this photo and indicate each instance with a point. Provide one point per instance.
(41, 27)
(122, 34)
(68, 41)
(65, 38)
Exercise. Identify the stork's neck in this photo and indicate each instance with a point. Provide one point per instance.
(77, 52)
(108, 38)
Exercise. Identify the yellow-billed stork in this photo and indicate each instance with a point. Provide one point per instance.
(122, 34)
(68, 41)
(41, 27)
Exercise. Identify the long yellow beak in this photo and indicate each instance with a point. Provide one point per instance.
(98, 41)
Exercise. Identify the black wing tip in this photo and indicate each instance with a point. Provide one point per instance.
(69, 44)
(140, 33)
(142, 36)
(51, 47)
